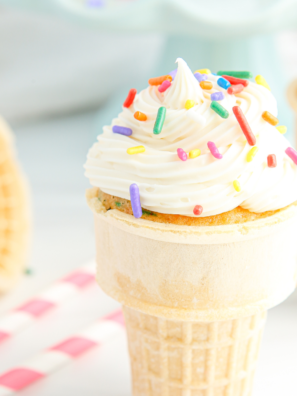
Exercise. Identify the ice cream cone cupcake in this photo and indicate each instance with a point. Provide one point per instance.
(194, 199)
(14, 213)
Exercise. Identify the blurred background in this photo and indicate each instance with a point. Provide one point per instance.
(65, 68)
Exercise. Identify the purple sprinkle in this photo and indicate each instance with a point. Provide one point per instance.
(217, 96)
(200, 77)
(122, 130)
(95, 3)
(135, 200)
(173, 74)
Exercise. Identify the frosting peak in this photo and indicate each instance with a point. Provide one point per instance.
(184, 87)
(169, 185)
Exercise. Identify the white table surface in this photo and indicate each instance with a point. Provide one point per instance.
(52, 153)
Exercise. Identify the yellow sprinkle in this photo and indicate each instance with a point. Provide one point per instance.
(203, 71)
(236, 185)
(136, 150)
(194, 153)
(282, 129)
(261, 81)
(189, 104)
(251, 154)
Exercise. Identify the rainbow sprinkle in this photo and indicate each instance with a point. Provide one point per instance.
(244, 125)
(130, 98)
(138, 115)
(122, 130)
(159, 80)
(260, 80)
(189, 104)
(268, 117)
(282, 129)
(164, 86)
(200, 77)
(198, 209)
(238, 74)
(160, 120)
(194, 153)
(292, 154)
(235, 89)
(206, 85)
(135, 200)
(173, 74)
(136, 150)
(251, 154)
(219, 109)
(214, 150)
(182, 154)
(223, 83)
(203, 71)
(217, 96)
(271, 161)
(236, 185)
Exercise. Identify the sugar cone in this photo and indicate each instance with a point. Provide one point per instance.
(194, 298)
(14, 213)
(180, 358)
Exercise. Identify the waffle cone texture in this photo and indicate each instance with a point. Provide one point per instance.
(14, 213)
(180, 358)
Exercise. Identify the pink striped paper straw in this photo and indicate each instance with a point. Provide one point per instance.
(61, 354)
(62, 290)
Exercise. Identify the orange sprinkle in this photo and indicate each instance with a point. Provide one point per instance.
(159, 80)
(206, 85)
(269, 118)
(140, 116)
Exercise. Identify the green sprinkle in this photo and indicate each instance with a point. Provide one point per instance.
(219, 109)
(148, 213)
(28, 271)
(237, 74)
(118, 204)
(160, 120)
(99, 199)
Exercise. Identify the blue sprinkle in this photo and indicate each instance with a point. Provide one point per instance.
(173, 74)
(135, 200)
(217, 96)
(122, 130)
(214, 74)
(223, 83)
(200, 77)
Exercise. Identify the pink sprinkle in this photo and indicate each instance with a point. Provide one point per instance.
(165, 85)
(74, 346)
(292, 154)
(198, 210)
(19, 378)
(214, 150)
(182, 154)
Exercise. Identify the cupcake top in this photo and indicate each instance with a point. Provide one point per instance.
(197, 145)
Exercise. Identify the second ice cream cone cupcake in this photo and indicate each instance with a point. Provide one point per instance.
(14, 213)
(194, 201)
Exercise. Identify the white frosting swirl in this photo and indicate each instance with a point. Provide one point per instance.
(169, 185)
